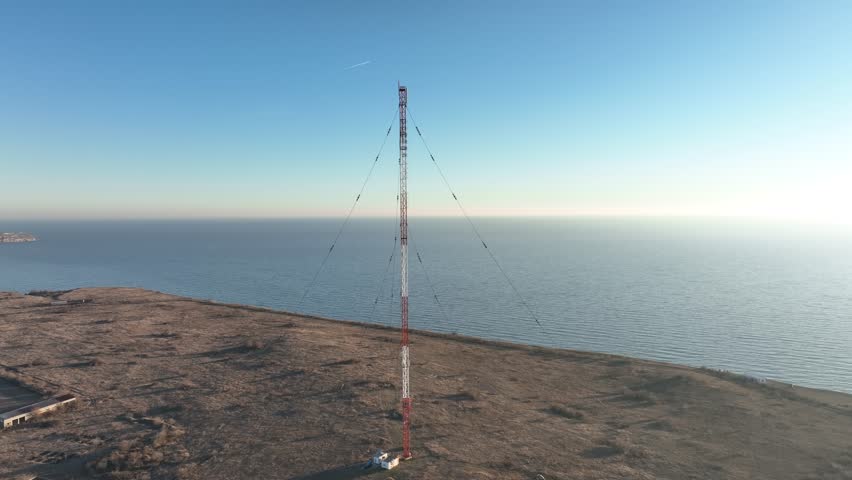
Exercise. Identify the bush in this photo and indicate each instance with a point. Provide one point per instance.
(638, 396)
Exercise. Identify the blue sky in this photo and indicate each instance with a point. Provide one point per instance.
(248, 109)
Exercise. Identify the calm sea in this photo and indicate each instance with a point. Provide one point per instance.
(764, 299)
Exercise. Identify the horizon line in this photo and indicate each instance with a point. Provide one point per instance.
(596, 215)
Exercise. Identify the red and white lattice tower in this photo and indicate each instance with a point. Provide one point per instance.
(403, 255)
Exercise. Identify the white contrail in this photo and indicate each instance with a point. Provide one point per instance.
(350, 67)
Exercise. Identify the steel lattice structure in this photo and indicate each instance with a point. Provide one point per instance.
(403, 255)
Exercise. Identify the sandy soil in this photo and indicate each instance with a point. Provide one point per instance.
(179, 388)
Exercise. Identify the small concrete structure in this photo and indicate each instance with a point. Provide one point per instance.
(387, 464)
(24, 414)
(379, 457)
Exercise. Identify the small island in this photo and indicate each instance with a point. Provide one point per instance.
(17, 237)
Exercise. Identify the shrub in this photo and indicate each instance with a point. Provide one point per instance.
(638, 396)
(566, 412)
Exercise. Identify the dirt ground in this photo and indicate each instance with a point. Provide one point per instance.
(172, 387)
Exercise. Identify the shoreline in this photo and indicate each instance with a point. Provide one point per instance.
(463, 338)
(747, 375)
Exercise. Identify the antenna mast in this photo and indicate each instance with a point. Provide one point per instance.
(403, 255)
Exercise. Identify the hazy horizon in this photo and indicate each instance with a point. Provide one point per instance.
(769, 227)
(547, 109)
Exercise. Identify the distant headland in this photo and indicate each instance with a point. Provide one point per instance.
(17, 237)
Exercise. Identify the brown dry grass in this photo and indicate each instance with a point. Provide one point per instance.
(196, 390)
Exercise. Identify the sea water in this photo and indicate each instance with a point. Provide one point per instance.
(768, 299)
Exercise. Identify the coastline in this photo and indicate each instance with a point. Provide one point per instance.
(257, 387)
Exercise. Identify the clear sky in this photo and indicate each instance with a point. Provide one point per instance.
(276, 109)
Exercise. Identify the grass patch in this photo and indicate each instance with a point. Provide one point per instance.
(166, 334)
(734, 377)
(142, 453)
(565, 412)
(350, 361)
(460, 397)
(638, 396)
(662, 425)
(37, 362)
(47, 293)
